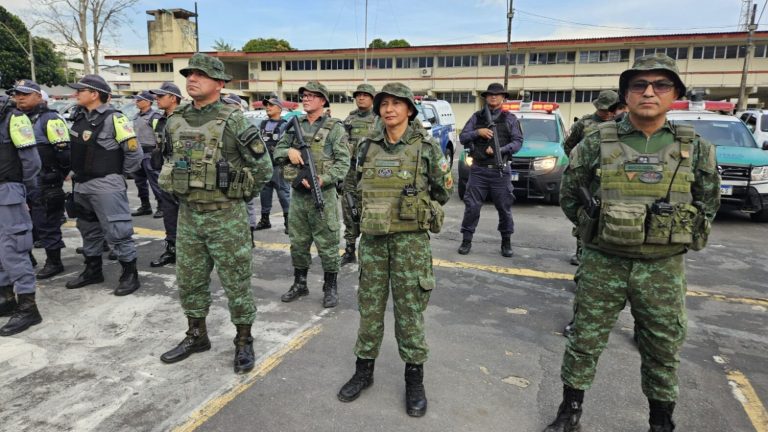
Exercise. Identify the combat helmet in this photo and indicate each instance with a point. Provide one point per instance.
(398, 90)
(652, 62)
(208, 65)
(316, 87)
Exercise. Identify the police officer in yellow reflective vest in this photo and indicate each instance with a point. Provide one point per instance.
(104, 148)
(216, 166)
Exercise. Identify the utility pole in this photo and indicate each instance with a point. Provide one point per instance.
(31, 57)
(365, 51)
(747, 58)
(197, 30)
(510, 14)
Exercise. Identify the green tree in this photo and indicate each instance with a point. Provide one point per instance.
(267, 45)
(14, 61)
(48, 63)
(377, 43)
(221, 46)
(398, 43)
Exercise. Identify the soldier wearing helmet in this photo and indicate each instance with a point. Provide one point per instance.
(653, 192)
(403, 180)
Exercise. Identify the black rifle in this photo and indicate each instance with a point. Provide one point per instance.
(590, 203)
(497, 159)
(351, 200)
(308, 171)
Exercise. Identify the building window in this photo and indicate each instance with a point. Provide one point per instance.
(144, 67)
(760, 51)
(166, 67)
(499, 59)
(339, 98)
(457, 61)
(562, 57)
(604, 56)
(300, 65)
(718, 52)
(337, 64)
(586, 96)
(260, 96)
(414, 62)
(559, 96)
(293, 97)
(375, 63)
(679, 53)
(457, 97)
(271, 65)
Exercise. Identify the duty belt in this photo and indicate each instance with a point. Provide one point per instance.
(208, 207)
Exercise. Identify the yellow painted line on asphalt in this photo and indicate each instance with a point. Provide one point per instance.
(512, 271)
(215, 405)
(744, 392)
(720, 297)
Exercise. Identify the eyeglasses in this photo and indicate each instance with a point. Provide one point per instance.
(84, 90)
(309, 96)
(660, 86)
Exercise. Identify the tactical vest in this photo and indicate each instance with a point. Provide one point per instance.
(394, 188)
(151, 121)
(635, 220)
(271, 138)
(358, 127)
(479, 156)
(52, 172)
(321, 149)
(90, 160)
(10, 163)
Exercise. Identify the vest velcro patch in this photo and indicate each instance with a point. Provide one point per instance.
(385, 172)
(641, 167)
(387, 163)
(651, 177)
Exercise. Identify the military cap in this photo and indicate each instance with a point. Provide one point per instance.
(208, 65)
(398, 90)
(606, 100)
(495, 89)
(654, 62)
(25, 86)
(316, 87)
(92, 82)
(365, 88)
(145, 95)
(167, 88)
(273, 101)
(232, 99)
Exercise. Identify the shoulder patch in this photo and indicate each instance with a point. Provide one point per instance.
(22, 134)
(123, 128)
(57, 132)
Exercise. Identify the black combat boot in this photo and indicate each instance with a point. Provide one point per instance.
(285, 220)
(196, 341)
(7, 300)
(53, 264)
(299, 287)
(349, 256)
(263, 223)
(112, 255)
(245, 360)
(660, 417)
(25, 316)
(168, 256)
(330, 295)
(91, 275)
(144, 209)
(129, 279)
(569, 412)
(361, 380)
(465, 247)
(506, 247)
(32, 259)
(569, 329)
(415, 396)
(159, 213)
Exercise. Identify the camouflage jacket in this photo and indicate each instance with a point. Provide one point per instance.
(579, 130)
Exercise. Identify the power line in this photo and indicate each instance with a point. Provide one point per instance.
(762, 10)
(622, 28)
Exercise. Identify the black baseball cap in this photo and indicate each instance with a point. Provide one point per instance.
(167, 88)
(145, 95)
(25, 86)
(92, 82)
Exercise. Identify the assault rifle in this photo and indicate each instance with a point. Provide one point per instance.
(308, 171)
(497, 159)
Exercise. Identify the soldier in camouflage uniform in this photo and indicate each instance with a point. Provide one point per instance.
(403, 181)
(635, 234)
(358, 124)
(217, 165)
(328, 144)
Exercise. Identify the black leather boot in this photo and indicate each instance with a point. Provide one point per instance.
(569, 329)
(53, 264)
(25, 316)
(299, 287)
(415, 396)
(506, 247)
(129, 280)
(168, 256)
(660, 417)
(569, 412)
(285, 220)
(91, 275)
(349, 256)
(32, 259)
(7, 300)
(361, 380)
(245, 360)
(144, 209)
(466, 246)
(263, 223)
(196, 341)
(330, 295)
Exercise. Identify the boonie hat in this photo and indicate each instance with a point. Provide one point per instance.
(208, 65)
(398, 90)
(365, 88)
(652, 62)
(606, 100)
(25, 86)
(167, 88)
(316, 87)
(92, 82)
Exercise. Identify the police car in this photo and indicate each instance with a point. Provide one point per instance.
(742, 164)
(537, 168)
(437, 117)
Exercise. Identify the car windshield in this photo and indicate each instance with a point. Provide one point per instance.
(539, 129)
(764, 123)
(723, 133)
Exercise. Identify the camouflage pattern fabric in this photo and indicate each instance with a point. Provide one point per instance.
(220, 238)
(305, 226)
(401, 262)
(606, 100)
(579, 130)
(358, 124)
(208, 65)
(653, 62)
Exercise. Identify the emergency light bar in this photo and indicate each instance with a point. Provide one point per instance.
(548, 107)
(703, 106)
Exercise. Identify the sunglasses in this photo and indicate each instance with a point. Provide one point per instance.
(660, 86)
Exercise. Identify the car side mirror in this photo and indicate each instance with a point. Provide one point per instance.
(426, 125)
(765, 145)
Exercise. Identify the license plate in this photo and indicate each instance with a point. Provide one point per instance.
(515, 175)
(726, 190)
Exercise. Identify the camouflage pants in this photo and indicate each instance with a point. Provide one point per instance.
(219, 238)
(401, 262)
(305, 226)
(656, 291)
(351, 228)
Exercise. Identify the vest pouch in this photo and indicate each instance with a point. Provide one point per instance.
(180, 180)
(248, 184)
(165, 179)
(408, 205)
(235, 189)
(587, 227)
(622, 224)
(683, 223)
(290, 172)
(658, 228)
(438, 217)
(376, 219)
(701, 230)
(325, 166)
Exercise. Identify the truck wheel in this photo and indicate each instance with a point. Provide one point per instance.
(553, 198)
(449, 156)
(761, 216)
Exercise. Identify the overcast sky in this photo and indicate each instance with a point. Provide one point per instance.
(325, 24)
